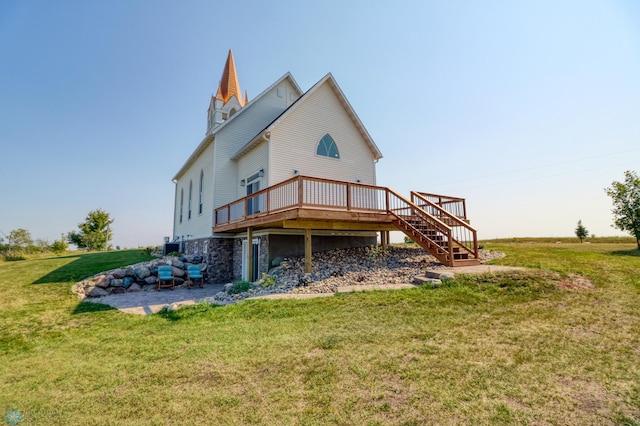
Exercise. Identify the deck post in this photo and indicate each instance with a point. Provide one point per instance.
(307, 250)
(249, 254)
(383, 239)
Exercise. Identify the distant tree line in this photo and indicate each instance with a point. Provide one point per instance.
(94, 234)
(19, 243)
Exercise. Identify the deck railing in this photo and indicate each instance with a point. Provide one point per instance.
(439, 221)
(304, 192)
(455, 206)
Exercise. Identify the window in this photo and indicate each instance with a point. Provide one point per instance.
(201, 196)
(190, 198)
(181, 203)
(327, 147)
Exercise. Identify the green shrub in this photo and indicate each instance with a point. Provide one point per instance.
(240, 287)
(267, 280)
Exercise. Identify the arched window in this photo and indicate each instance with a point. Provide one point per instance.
(190, 198)
(201, 196)
(181, 202)
(327, 147)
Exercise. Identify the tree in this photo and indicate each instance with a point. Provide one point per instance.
(41, 245)
(60, 246)
(626, 204)
(581, 231)
(20, 240)
(95, 231)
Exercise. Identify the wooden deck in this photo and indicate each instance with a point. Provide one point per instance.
(436, 223)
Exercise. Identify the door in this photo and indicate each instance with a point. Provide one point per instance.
(253, 204)
(255, 246)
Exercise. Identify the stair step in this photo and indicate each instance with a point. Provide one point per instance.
(466, 262)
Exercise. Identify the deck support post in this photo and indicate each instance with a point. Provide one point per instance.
(307, 250)
(384, 239)
(249, 254)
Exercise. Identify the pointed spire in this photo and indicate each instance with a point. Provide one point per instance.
(219, 92)
(246, 98)
(229, 85)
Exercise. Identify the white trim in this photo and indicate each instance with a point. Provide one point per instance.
(343, 101)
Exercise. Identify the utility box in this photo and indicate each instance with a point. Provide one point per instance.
(170, 248)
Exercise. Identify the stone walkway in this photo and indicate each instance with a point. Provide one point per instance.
(151, 302)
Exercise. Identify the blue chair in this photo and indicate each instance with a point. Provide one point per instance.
(165, 277)
(194, 273)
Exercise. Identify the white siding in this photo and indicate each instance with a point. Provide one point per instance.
(200, 224)
(240, 131)
(251, 163)
(294, 142)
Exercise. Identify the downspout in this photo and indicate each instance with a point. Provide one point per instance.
(266, 137)
(175, 199)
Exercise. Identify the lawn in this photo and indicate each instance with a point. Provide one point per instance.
(505, 349)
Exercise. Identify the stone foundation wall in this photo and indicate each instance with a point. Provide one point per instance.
(220, 259)
(217, 252)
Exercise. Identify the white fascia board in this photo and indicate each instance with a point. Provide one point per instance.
(208, 140)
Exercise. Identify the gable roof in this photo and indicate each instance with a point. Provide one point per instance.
(345, 104)
(210, 137)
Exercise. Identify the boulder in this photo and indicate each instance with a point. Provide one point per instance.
(127, 281)
(102, 281)
(173, 307)
(117, 290)
(178, 281)
(227, 287)
(142, 272)
(134, 288)
(92, 291)
(177, 272)
(152, 279)
(119, 273)
(117, 282)
(177, 263)
(130, 272)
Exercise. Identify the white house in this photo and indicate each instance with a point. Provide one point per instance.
(284, 174)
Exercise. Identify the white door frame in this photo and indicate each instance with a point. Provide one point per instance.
(245, 256)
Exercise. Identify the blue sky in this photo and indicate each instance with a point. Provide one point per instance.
(526, 109)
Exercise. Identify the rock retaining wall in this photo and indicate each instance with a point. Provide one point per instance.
(140, 277)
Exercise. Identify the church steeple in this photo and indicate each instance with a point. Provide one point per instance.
(229, 98)
(229, 85)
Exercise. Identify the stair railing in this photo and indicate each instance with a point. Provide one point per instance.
(463, 234)
(428, 231)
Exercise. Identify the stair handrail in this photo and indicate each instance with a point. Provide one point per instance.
(417, 207)
(442, 211)
(434, 222)
(455, 219)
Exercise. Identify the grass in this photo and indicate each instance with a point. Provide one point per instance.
(501, 349)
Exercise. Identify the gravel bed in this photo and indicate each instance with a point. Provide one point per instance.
(346, 267)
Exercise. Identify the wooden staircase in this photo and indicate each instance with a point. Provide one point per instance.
(437, 227)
